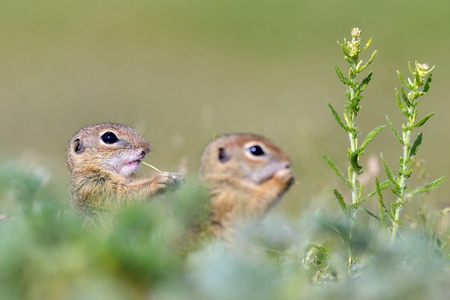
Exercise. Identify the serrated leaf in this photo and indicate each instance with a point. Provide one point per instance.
(381, 207)
(391, 126)
(384, 185)
(337, 118)
(422, 122)
(429, 187)
(400, 103)
(427, 84)
(371, 136)
(388, 171)
(401, 78)
(417, 77)
(396, 192)
(342, 203)
(364, 83)
(410, 68)
(405, 99)
(416, 145)
(336, 171)
(369, 61)
(341, 76)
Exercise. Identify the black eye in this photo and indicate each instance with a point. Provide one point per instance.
(256, 150)
(109, 137)
(223, 156)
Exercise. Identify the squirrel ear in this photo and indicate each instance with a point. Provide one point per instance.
(77, 146)
(223, 156)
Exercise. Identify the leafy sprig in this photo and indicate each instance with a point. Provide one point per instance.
(407, 103)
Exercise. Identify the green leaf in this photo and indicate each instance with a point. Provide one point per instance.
(397, 193)
(388, 171)
(342, 203)
(354, 157)
(401, 78)
(422, 122)
(348, 94)
(416, 145)
(381, 207)
(341, 76)
(336, 171)
(427, 84)
(429, 187)
(391, 126)
(337, 118)
(405, 99)
(369, 61)
(384, 185)
(370, 137)
(367, 45)
(400, 103)
(410, 68)
(344, 47)
(364, 83)
(370, 213)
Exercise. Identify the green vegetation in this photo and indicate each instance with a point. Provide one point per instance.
(148, 254)
(408, 106)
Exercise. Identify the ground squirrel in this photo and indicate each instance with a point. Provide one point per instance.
(103, 160)
(245, 175)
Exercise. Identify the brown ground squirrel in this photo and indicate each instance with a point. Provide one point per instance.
(103, 160)
(246, 175)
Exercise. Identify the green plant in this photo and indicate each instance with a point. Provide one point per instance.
(407, 103)
(352, 48)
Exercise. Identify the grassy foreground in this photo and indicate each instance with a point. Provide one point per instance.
(45, 254)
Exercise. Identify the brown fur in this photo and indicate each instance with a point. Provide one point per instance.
(102, 175)
(243, 186)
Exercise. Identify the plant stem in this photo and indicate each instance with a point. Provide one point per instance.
(353, 134)
(404, 174)
(354, 175)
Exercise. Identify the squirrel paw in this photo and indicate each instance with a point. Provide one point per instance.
(168, 181)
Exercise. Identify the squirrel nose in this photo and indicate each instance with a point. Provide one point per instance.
(143, 153)
(145, 150)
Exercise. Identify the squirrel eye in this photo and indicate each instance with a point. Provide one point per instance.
(256, 150)
(109, 137)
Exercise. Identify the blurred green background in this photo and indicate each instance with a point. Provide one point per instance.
(180, 71)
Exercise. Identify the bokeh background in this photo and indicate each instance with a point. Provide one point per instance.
(179, 71)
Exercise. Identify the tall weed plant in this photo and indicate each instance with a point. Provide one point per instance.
(398, 184)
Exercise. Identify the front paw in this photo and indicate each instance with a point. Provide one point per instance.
(168, 181)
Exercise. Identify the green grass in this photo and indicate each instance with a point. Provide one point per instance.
(46, 254)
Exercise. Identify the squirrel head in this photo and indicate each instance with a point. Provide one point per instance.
(107, 147)
(246, 158)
